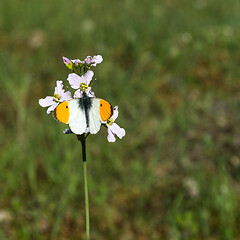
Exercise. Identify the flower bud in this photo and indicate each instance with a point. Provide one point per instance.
(68, 63)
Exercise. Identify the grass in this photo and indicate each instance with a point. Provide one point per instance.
(173, 69)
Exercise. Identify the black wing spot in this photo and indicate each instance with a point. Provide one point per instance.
(100, 105)
(66, 106)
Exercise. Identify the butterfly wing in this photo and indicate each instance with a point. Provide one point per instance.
(77, 118)
(94, 116)
(105, 110)
(62, 113)
(100, 111)
(69, 112)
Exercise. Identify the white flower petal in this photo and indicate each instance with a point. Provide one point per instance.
(45, 102)
(74, 80)
(96, 60)
(115, 113)
(89, 92)
(120, 132)
(110, 137)
(77, 94)
(52, 107)
(66, 96)
(59, 88)
(87, 77)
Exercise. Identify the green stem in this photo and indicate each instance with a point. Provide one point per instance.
(86, 200)
(82, 138)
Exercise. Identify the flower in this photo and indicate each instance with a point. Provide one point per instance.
(93, 61)
(113, 128)
(59, 96)
(77, 61)
(88, 62)
(86, 116)
(68, 63)
(81, 83)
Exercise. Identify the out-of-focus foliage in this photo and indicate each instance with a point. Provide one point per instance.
(173, 69)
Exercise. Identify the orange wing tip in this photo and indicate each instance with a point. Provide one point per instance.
(105, 110)
(62, 113)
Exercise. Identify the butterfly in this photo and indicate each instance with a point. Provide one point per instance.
(84, 113)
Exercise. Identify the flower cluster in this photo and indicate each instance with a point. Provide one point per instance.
(79, 80)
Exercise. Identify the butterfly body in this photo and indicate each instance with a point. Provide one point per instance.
(85, 104)
(84, 113)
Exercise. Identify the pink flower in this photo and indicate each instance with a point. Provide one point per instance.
(81, 83)
(59, 96)
(68, 63)
(93, 61)
(113, 128)
(77, 61)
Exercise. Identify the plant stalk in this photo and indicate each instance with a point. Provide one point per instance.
(82, 138)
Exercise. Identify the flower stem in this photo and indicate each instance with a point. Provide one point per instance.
(82, 138)
(86, 200)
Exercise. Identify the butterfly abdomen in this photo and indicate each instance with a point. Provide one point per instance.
(85, 104)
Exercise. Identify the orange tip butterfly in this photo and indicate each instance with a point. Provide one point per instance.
(82, 113)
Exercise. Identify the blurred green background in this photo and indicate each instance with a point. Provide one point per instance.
(173, 68)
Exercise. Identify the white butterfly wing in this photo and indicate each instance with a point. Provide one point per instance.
(94, 116)
(77, 118)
